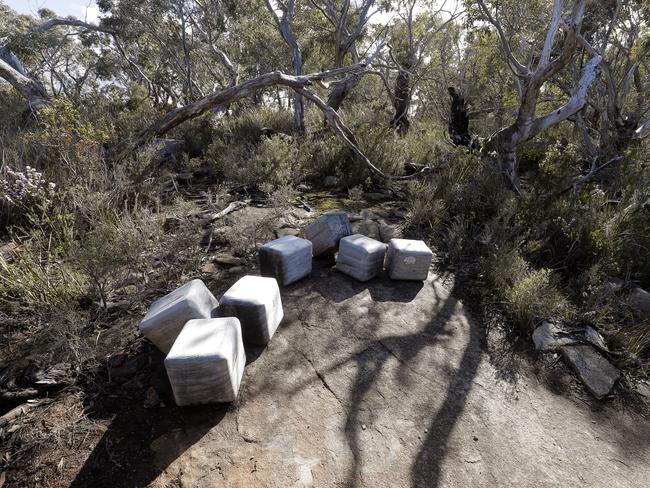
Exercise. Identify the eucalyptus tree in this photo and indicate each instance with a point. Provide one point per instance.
(57, 47)
(417, 42)
(534, 56)
(618, 113)
(349, 22)
(284, 13)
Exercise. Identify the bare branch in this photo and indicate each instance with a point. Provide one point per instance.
(515, 65)
(179, 115)
(644, 127)
(347, 137)
(551, 33)
(574, 104)
(31, 89)
(72, 23)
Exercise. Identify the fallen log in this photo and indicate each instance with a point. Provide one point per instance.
(17, 396)
(18, 412)
(229, 209)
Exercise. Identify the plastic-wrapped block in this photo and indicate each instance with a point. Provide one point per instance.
(286, 259)
(256, 302)
(167, 315)
(360, 257)
(206, 363)
(326, 232)
(408, 259)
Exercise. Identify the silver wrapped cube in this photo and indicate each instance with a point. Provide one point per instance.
(167, 315)
(408, 259)
(326, 232)
(206, 363)
(286, 259)
(255, 301)
(360, 257)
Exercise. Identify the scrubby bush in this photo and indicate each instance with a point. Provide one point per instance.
(25, 196)
(32, 281)
(112, 247)
(529, 295)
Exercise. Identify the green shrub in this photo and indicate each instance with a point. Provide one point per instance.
(529, 295)
(272, 161)
(32, 280)
(113, 247)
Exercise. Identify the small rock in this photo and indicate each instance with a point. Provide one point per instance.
(475, 438)
(287, 231)
(331, 181)
(387, 232)
(643, 388)
(368, 228)
(227, 259)
(596, 372)
(208, 268)
(151, 398)
(594, 337)
(299, 214)
(363, 426)
(369, 214)
(613, 285)
(640, 301)
(236, 269)
(549, 337)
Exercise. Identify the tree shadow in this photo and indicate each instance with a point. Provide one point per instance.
(139, 443)
(337, 287)
(373, 358)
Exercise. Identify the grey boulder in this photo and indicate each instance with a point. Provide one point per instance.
(326, 232)
(596, 372)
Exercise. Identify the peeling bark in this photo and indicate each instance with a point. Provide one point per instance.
(32, 90)
(526, 126)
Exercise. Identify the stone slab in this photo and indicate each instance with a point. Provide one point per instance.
(206, 363)
(326, 232)
(549, 337)
(167, 315)
(596, 372)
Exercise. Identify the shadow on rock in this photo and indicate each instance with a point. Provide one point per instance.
(148, 431)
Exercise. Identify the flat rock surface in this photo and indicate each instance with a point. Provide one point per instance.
(385, 384)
